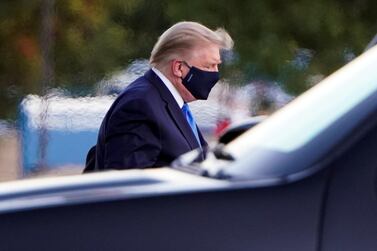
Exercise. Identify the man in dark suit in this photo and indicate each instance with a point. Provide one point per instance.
(150, 123)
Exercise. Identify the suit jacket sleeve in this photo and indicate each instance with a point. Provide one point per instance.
(132, 136)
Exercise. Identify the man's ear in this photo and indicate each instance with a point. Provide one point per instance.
(176, 68)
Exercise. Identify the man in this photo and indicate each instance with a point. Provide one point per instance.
(150, 124)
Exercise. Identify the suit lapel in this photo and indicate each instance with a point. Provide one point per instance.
(181, 122)
(203, 142)
(173, 109)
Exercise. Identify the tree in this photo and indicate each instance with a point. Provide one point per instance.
(292, 43)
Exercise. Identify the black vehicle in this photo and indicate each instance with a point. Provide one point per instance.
(303, 179)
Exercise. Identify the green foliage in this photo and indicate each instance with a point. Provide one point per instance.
(270, 34)
(88, 43)
(295, 43)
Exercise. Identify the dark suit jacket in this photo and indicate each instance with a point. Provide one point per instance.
(144, 127)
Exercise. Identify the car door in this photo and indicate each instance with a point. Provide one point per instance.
(350, 216)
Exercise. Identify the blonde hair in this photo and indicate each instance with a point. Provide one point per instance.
(182, 37)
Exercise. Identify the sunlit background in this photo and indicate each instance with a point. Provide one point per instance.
(64, 61)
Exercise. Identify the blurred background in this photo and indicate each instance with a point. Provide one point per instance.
(64, 61)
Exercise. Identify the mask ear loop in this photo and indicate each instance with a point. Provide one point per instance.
(184, 62)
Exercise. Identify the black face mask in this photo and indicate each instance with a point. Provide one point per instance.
(200, 82)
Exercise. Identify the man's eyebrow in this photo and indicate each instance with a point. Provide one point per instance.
(216, 61)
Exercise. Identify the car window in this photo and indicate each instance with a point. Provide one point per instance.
(300, 136)
(308, 115)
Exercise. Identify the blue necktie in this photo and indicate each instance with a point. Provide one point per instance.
(190, 119)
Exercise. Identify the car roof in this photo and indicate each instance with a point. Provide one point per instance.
(102, 186)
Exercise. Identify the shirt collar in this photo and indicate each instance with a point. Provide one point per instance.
(170, 86)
